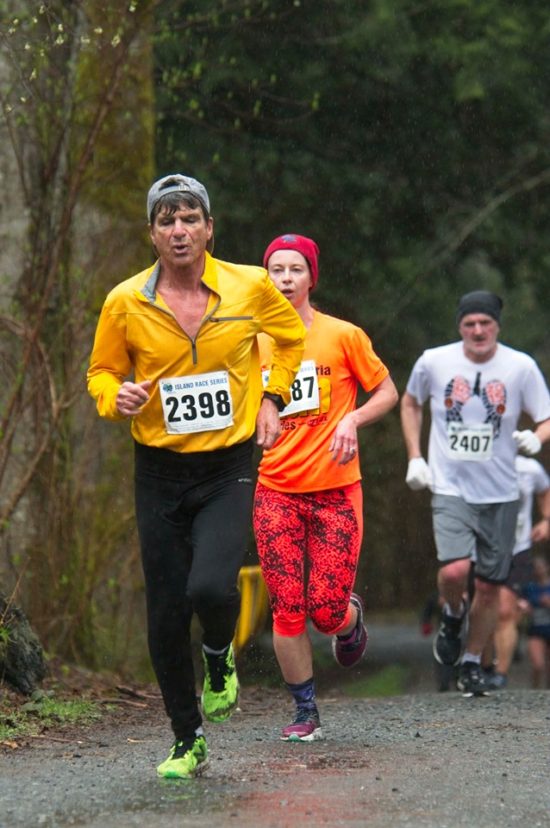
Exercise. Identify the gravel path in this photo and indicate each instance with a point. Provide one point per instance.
(421, 760)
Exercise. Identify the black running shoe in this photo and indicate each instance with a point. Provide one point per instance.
(447, 644)
(496, 681)
(471, 680)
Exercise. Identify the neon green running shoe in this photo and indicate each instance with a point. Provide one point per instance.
(220, 692)
(187, 759)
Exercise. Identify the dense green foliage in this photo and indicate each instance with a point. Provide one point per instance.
(411, 141)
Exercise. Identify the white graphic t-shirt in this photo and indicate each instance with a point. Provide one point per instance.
(475, 408)
(532, 480)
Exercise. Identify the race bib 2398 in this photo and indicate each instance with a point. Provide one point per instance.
(198, 402)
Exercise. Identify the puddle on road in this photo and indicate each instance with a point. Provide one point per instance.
(327, 761)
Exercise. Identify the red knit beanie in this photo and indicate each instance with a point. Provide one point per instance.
(305, 246)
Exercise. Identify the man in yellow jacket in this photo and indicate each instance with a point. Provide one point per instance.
(175, 350)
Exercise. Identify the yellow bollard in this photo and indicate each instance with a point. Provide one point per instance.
(254, 605)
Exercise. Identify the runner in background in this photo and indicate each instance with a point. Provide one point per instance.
(478, 388)
(498, 655)
(532, 481)
(537, 596)
(308, 514)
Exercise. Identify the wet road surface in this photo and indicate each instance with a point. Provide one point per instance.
(422, 760)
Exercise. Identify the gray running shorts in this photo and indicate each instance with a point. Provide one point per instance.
(483, 532)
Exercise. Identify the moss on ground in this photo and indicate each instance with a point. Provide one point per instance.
(41, 713)
(388, 681)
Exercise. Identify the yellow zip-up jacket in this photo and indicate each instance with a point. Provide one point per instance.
(138, 338)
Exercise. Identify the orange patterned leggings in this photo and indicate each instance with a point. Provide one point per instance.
(308, 546)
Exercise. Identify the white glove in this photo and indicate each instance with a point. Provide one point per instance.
(527, 441)
(419, 475)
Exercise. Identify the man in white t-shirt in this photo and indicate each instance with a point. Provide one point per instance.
(478, 388)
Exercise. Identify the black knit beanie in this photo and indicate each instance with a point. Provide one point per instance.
(479, 301)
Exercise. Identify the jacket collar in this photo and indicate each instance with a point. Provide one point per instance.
(209, 277)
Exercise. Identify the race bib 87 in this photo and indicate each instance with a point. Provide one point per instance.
(470, 442)
(304, 391)
(199, 402)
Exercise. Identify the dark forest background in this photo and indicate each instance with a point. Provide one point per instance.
(410, 139)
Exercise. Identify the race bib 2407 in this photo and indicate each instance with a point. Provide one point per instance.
(470, 442)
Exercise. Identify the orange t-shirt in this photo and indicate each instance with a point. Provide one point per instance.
(300, 460)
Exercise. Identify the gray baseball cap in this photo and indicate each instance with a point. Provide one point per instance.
(176, 184)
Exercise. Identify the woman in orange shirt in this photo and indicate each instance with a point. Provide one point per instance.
(308, 515)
